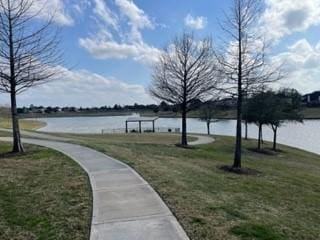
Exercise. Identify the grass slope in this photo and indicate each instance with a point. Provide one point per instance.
(311, 113)
(24, 124)
(43, 195)
(282, 203)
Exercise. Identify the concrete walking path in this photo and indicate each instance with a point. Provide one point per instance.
(125, 207)
(201, 140)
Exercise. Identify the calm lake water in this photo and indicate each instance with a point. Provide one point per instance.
(305, 136)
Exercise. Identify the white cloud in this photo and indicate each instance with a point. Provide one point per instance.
(195, 22)
(105, 14)
(136, 16)
(82, 88)
(301, 65)
(57, 8)
(138, 20)
(64, 12)
(110, 49)
(80, 5)
(113, 39)
(284, 17)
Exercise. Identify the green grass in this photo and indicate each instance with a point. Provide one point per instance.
(5, 134)
(24, 124)
(43, 195)
(283, 202)
(253, 231)
(311, 113)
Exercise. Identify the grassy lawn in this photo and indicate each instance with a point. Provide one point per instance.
(311, 112)
(283, 202)
(24, 124)
(43, 195)
(5, 134)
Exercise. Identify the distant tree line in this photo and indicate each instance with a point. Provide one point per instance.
(223, 104)
(212, 106)
(72, 109)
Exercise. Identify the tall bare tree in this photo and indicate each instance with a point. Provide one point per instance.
(28, 53)
(184, 73)
(243, 59)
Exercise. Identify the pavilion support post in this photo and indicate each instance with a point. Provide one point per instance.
(140, 120)
(153, 129)
(126, 126)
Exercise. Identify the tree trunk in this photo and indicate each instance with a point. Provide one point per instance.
(260, 136)
(208, 127)
(237, 153)
(246, 129)
(184, 141)
(275, 130)
(17, 144)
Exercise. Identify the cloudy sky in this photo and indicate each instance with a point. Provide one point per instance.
(111, 45)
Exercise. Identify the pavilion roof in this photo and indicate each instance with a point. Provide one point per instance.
(141, 119)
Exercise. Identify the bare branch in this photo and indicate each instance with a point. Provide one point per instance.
(242, 61)
(29, 53)
(185, 73)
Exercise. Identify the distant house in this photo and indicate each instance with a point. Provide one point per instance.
(312, 98)
(37, 110)
(228, 102)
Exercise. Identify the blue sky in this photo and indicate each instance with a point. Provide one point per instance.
(167, 23)
(110, 45)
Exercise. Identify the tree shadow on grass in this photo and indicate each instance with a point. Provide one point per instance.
(239, 171)
(185, 146)
(248, 231)
(266, 151)
(10, 154)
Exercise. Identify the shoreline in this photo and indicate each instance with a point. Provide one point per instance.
(190, 133)
(125, 114)
(222, 114)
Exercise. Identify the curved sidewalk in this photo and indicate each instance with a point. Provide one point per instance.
(125, 207)
(201, 140)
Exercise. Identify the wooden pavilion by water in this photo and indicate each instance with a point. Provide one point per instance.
(141, 120)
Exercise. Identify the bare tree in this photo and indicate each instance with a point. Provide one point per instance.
(28, 53)
(208, 112)
(243, 60)
(184, 73)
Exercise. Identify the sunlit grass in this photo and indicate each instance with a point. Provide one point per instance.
(43, 195)
(24, 124)
(283, 202)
